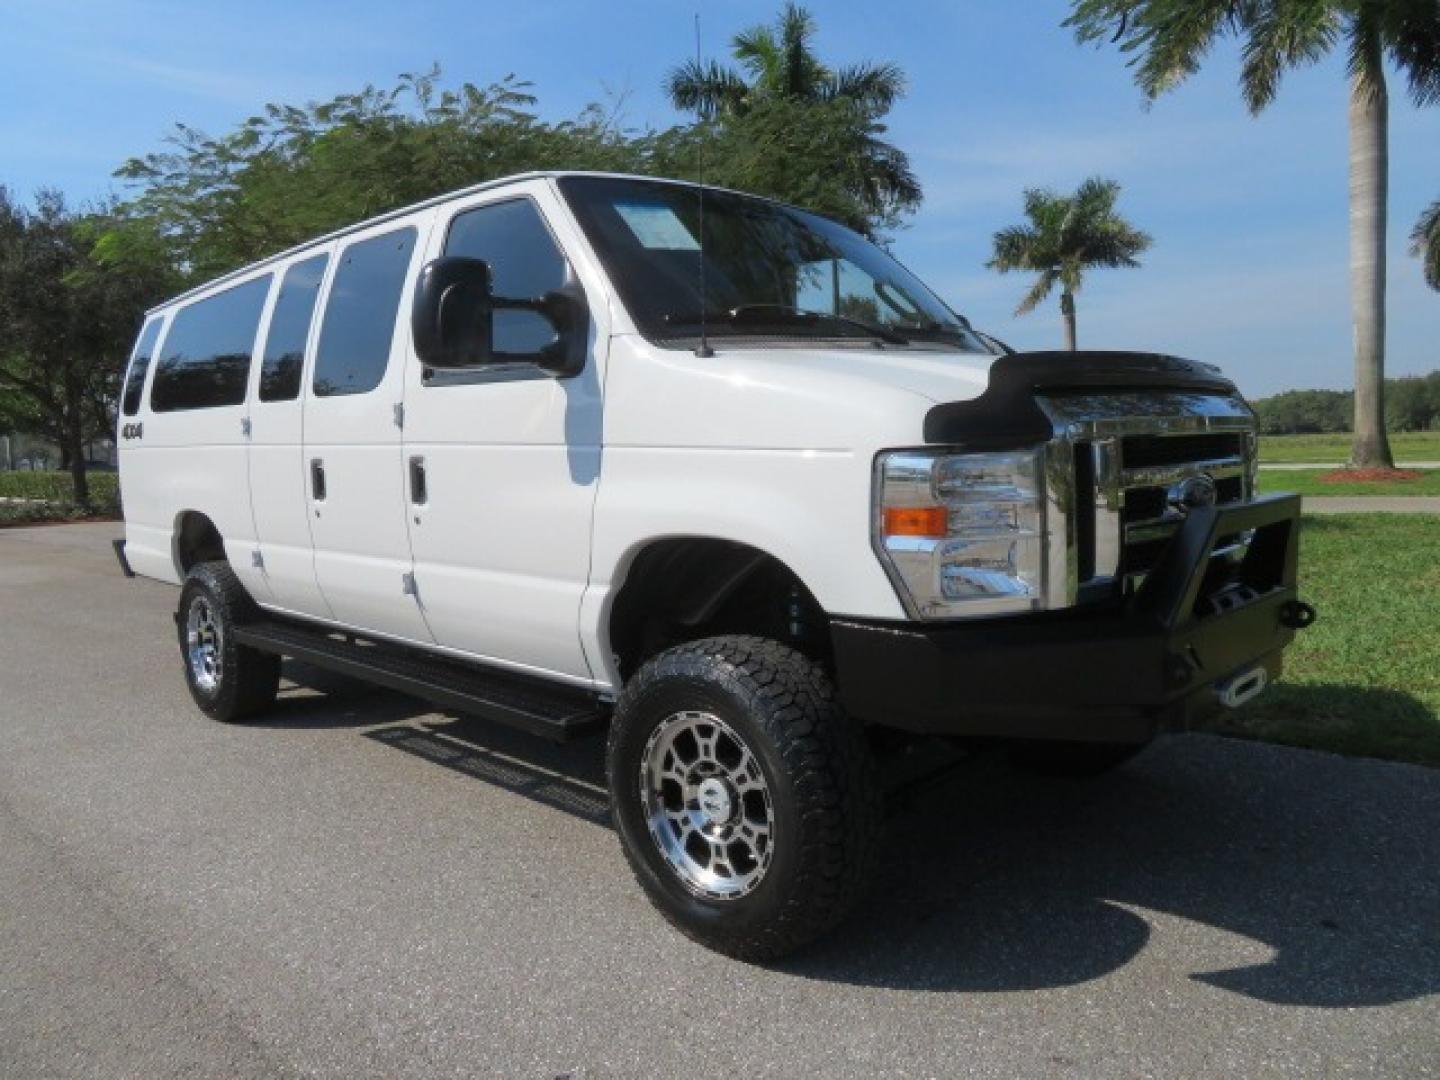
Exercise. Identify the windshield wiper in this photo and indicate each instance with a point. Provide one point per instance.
(784, 315)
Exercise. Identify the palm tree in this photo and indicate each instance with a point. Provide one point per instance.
(780, 63)
(1425, 243)
(1167, 40)
(1067, 235)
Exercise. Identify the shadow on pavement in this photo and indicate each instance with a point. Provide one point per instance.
(995, 881)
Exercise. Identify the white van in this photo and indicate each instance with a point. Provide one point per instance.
(541, 451)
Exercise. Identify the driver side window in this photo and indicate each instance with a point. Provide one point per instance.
(525, 263)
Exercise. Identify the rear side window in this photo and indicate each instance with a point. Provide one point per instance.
(139, 365)
(524, 260)
(360, 314)
(284, 356)
(205, 361)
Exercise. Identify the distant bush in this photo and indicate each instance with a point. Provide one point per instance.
(1411, 404)
(56, 489)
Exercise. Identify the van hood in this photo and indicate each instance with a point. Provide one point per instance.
(781, 396)
(935, 374)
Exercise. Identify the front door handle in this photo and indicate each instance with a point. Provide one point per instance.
(317, 479)
(418, 491)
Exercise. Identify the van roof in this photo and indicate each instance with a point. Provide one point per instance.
(401, 212)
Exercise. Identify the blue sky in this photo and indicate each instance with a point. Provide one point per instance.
(1249, 269)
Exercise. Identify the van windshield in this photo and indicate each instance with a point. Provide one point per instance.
(770, 270)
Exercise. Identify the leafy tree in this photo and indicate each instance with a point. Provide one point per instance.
(293, 172)
(207, 204)
(1425, 243)
(66, 325)
(1066, 236)
(1167, 40)
(1412, 403)
(781, 75)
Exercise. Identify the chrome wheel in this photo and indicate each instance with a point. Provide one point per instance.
(203, 642)
(707, 805)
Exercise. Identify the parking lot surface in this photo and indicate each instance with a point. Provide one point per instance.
(356, 886)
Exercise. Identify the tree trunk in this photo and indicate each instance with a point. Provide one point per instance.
(1369, 176)
(74, 449)
(1067, 309)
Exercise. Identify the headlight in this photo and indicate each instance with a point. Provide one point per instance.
(961, 534)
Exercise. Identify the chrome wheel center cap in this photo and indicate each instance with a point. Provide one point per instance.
(715, 802)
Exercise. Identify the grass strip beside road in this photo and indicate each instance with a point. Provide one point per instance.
(1312, 482)
(1365, 679)
(1323, 449)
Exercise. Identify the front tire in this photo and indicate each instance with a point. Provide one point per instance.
(744, 797)
(227, 680)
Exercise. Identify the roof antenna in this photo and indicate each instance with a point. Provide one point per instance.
(703, 350)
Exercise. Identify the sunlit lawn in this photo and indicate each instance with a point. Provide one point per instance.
(1309, 482)
(1365, 679)
(1325, 449)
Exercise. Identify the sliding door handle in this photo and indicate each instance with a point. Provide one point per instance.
(317, 479)
(419, 493)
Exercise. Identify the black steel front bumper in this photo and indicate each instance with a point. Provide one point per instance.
(1119, 671)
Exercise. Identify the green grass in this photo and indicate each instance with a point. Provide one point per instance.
(1324, 449)
(53, 496)
(1308, 482)
(1365, 679)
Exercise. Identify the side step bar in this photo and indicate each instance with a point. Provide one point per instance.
(558, 713)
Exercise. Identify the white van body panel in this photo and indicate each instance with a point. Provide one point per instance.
(278, 477)
(512, 462)
(361, 531)
(772, 448)
(189, 460)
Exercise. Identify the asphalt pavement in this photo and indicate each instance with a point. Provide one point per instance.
(356, 886)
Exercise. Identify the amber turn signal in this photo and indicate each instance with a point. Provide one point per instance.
(916, 521)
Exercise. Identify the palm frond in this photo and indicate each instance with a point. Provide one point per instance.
(1018, 248)
(1164, 40)
(707, 89)
(875, 86)
(1282, 36)
(1410, 32)
(1040, 291)
(758, 53)
(1425, 243)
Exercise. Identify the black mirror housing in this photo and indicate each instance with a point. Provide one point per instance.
(452, 320)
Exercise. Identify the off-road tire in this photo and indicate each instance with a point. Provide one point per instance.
(248, 679)
(1072, 760)
(827, 810)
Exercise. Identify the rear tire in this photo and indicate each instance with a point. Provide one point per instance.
(227, 680)
(744, 796)
(1072, 760)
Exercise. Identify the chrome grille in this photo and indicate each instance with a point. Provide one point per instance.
(1111, 469)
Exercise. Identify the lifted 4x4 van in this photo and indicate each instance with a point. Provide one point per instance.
(512, 451)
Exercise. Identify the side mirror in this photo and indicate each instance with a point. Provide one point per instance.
(453, 317)
(453, 320)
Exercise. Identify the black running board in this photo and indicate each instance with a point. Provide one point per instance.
(556, 712)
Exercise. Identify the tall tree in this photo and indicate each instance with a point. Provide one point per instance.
(1425, 243)
(207, 204)
(1166, 41)
(1066, 236)
(780, 73)
(66, 325)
